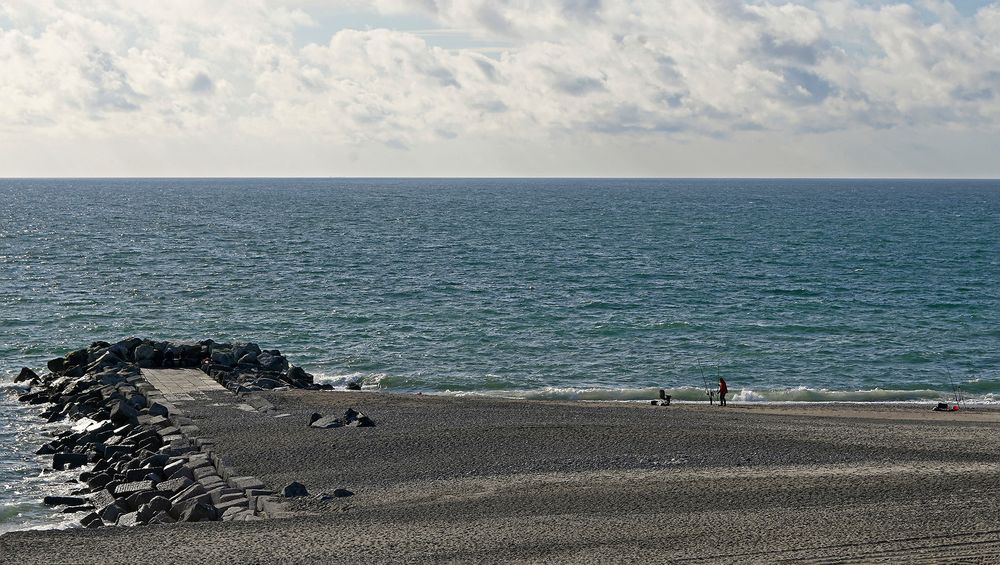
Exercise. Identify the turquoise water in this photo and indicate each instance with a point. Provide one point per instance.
(794, 290)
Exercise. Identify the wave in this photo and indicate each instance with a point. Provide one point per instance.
(984, 395)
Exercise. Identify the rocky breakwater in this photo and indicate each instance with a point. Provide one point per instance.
(143, 462)
(245, 367)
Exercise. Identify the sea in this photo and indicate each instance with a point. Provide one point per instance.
(587, 289)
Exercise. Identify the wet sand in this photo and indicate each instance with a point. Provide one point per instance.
(473, 479)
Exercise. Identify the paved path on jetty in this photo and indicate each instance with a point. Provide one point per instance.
(182, 384)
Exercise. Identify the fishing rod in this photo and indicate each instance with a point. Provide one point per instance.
(956, 390)
(704, 381)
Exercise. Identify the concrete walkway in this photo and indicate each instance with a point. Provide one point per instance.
(178, 385)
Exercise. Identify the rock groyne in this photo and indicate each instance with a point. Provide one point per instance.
(145, 462)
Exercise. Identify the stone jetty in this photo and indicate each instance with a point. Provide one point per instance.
(145, 462)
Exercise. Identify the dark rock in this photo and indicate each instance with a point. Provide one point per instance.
(224, 358)
(63, 501)
(199, 512)
(271, 362)
(91, 520)
(62, 461)
(78, 357)
(112, 451)
(342, 492)
(111, 512)
(353, 385)
(190, 492)
(162, 518)
(56, 365)
(327, 422)
(299, 376)
(294, 489)
(143, 474)
(153, 461)
(354, 418)
(313, 417)
(160, 503)
(123, 412)
(144, 352)
(134, 501)
(39, 397)
(248, 359)
(47, 449)
(157, 409)
(99, 480)
(26, 374)
(267, 383)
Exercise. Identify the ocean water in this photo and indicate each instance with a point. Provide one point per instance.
(794, 290)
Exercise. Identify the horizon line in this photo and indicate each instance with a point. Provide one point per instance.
(498, 177)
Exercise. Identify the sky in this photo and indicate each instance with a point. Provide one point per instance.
(567, 88)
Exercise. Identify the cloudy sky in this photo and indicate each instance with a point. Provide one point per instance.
(500, 87)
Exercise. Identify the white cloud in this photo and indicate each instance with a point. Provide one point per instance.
(607, 73)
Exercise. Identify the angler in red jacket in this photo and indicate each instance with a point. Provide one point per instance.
(723, 389)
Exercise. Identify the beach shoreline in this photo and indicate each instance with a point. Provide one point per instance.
(486, 479)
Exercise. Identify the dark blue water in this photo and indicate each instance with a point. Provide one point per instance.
(522, 285)
(794, 290)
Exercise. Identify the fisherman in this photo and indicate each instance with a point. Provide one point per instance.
(723, 389)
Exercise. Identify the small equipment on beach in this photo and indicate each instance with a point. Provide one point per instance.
(959, 397)
(663, 401)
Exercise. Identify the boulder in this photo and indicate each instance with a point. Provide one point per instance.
(134, 501)
(111, 513)
(224, 358)
(56, 365)
(299, 376)
(63, 501)
(157, 409)
(144, 351)
(271, 362)
(199, 512)
(354, 418)
(190, 492)
(342, 492)
(248, 359)
(327, 422)
(123, 413)
(174, 486)
(162, 518)
(62, 461)
(91, 520)
(128, 519)
(267, 384)
(353, 385)
(239, 350)
(26, 375)
(294, 489)
(126, 489)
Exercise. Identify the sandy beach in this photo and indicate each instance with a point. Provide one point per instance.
(476, 479)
